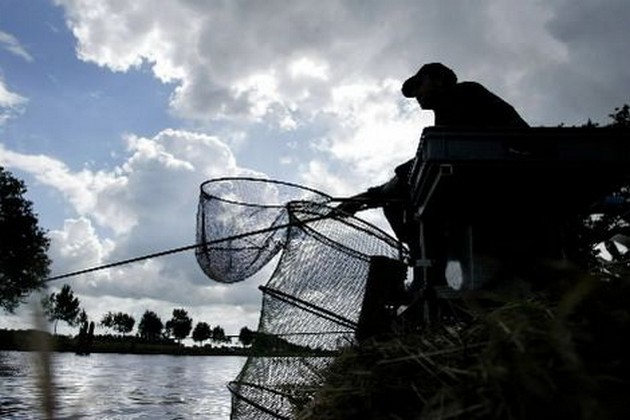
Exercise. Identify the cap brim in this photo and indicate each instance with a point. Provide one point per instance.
(410, 87)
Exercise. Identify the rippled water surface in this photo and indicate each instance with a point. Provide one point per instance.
(118, 386)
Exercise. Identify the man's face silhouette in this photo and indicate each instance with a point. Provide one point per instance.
(428, 92)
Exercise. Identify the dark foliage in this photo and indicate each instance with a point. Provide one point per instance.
(179, 325)
(24, 263)
(62, 306)
(120, 322)
(607, 226)
(246, 336)
(202, 332)
(218, 335)
(621, 117)
(150, 326)
(82, 318)
(556, 355)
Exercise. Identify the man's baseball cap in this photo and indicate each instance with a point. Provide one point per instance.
(433, 70)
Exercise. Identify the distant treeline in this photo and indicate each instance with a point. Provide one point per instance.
(34, 340)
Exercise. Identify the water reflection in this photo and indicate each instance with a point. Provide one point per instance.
(120, 386)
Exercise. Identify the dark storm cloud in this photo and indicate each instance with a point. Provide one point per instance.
(594, 77)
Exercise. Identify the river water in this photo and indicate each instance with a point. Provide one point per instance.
(118, 386)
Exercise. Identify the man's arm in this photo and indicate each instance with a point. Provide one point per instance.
(374, 197)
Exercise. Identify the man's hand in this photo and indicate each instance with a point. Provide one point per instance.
(351, 205)
(366, 200)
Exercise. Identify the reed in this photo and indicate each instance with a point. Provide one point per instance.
(43, 348)
(558, 353)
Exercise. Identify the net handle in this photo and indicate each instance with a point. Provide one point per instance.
(180, 249)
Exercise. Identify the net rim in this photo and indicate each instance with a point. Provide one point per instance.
(206, 194)
(303, 207)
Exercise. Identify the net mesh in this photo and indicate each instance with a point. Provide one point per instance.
(311, 302)
(237, 208)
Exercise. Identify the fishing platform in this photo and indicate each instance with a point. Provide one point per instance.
(495, 203)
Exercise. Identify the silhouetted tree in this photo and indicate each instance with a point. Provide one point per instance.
(621, 116)
(82, 318)
(218, 335)
(609, 225)
(124, 323)
(150, 326)
(24, 263)
(246, 336)
(62, 306)
(119, 322)
(269, 343)
(201, 332)
(179, 325)
(108, 320)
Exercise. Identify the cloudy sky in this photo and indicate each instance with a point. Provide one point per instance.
(113, 112)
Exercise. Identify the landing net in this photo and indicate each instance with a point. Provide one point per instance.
(235, 208)
(310, 304)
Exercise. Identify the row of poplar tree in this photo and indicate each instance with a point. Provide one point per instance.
(65, 306)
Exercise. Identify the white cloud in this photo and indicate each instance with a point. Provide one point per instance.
(13, 45)
(376, 130)
(11, 104)
(338, 67)
(77, 246)
(81, 188)
(215, 53)
(318, 174)
(308, 67)
(170, 165)
(9, 99)
(370, 132)
(232, 60)
(149, 205)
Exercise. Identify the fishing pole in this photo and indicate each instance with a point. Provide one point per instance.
(185, 248)
(334, 213)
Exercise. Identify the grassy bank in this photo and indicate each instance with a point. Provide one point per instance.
(560, 353)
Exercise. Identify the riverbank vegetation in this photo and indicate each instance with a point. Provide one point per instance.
(249, 342)
(34, 340)
(559, 353)
(24, 261)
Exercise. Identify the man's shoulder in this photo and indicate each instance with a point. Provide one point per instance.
(473, 104)
(473, 92)
(472, 88)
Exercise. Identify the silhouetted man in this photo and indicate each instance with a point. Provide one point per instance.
(456, 105)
